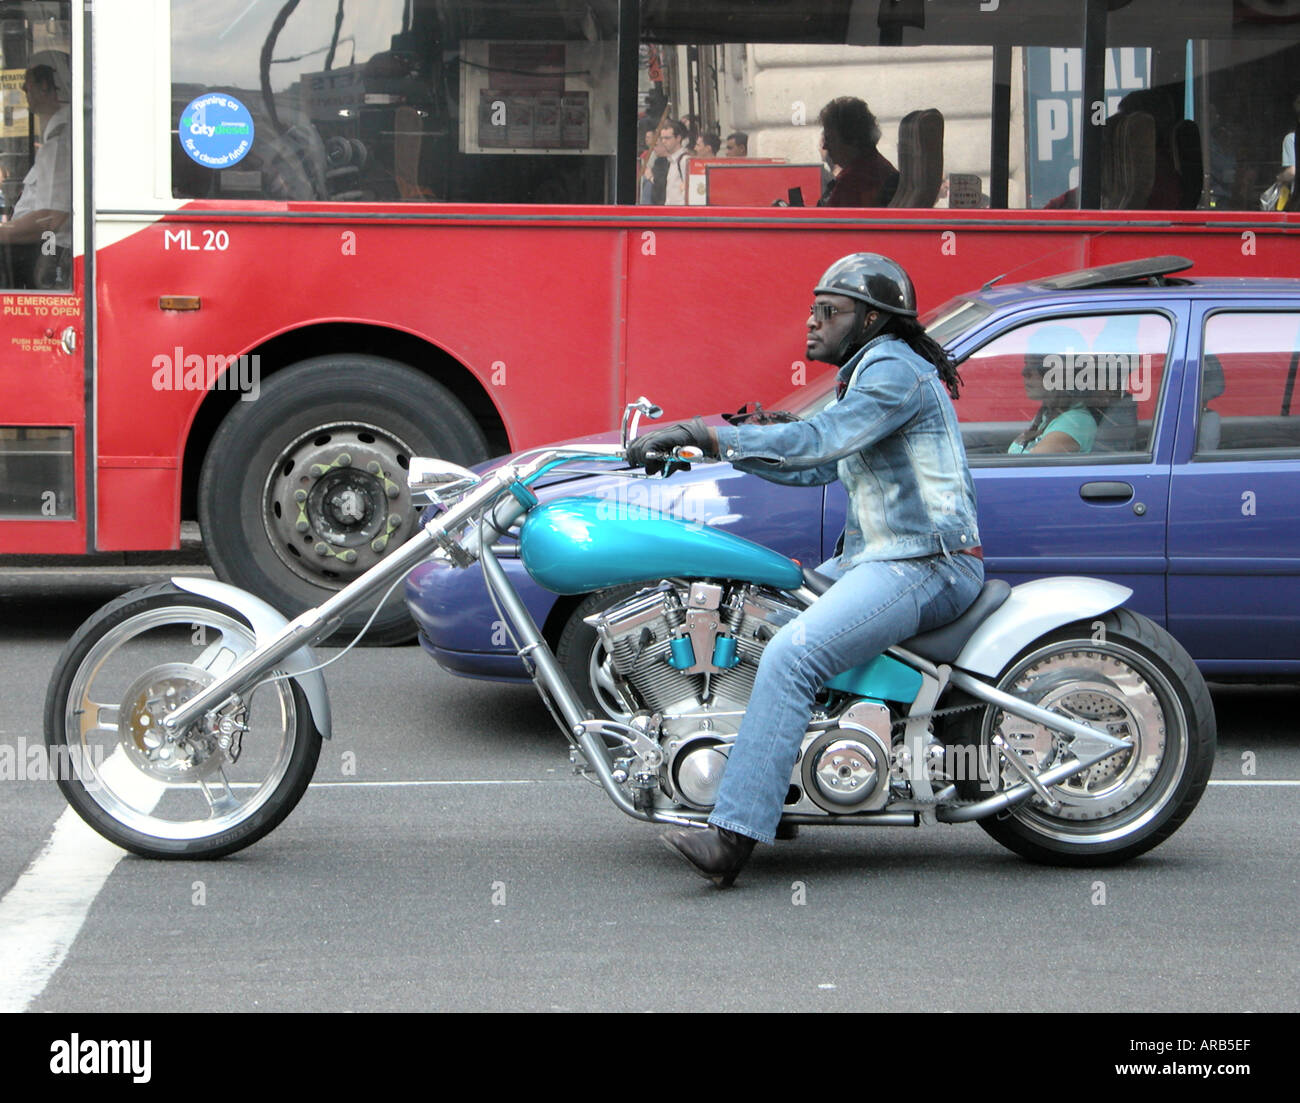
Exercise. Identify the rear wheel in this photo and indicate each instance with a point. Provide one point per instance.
(304, 489)
(1126, 676)
(584, 660)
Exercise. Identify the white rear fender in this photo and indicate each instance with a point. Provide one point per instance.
(268, 622)
(1034, 609)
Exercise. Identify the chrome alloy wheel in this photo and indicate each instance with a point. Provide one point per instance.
(191, 784)
(1110, 687)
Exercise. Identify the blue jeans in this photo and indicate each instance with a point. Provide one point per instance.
(872, 606)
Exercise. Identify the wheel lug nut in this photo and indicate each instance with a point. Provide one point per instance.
(344, 460)
(374, 468)
(379, 543)
(395, 520)
(319, 469)
(348, 556)
(322, 548)
(302, 526)
(300, 496)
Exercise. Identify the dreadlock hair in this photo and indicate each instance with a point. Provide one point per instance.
(927, 348)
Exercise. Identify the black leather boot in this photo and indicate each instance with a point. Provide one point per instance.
(716, 854)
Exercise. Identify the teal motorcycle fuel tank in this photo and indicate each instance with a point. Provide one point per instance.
(574, 546)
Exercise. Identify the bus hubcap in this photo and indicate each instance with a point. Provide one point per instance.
(336, 502)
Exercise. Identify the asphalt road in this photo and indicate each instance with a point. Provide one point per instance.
(446, 859)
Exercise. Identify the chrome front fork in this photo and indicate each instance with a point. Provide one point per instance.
(314, 625)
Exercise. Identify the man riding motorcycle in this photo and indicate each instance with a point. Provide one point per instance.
(909, 557)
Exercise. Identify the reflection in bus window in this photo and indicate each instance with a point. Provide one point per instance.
(1179, 107)
(394, 100)
(36, 153)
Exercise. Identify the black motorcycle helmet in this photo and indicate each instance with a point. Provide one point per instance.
(872, 279)
(877, 283)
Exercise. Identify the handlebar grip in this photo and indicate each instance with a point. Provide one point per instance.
(687, 453)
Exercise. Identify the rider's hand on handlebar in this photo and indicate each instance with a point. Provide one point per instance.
(654, 450)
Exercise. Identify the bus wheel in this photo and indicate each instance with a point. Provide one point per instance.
(304, 488)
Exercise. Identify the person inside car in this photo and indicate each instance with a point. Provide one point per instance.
(1065, 422)
(909, 559)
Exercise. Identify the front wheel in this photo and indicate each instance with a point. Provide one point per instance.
(1126, 676)
(203, 793)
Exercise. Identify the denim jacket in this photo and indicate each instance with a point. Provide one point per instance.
(892, 439)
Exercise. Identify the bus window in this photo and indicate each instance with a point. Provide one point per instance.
(985, 105)
(35, 149)
(394, 100)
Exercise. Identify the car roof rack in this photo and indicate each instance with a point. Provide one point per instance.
(1150, 270)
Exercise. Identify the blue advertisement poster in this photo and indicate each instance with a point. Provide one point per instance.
(1054, 110)
(216, 130)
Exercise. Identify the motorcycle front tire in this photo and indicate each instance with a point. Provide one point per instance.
(195, 798)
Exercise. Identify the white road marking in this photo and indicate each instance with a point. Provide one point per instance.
(401, 784)
(41, 916)
(1256, 781)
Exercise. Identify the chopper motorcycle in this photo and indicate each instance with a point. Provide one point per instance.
(1074, 731)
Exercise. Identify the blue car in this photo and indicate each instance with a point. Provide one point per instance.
(1121, 422)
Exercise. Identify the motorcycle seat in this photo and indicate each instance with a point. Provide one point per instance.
(939, 645)
(942, 645)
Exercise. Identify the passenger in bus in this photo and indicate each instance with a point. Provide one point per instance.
(45, 206)
(738, 144)
(850, 135)
(1065, 422)
(673, 139)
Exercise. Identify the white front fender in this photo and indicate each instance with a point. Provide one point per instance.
(268, 622)
(1034, 609)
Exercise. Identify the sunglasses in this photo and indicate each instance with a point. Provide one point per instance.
(824, 312)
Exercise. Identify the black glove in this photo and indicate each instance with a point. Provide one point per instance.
(758, 416)
(679, 434)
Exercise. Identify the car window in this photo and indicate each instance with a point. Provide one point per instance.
(946, 324)
(1078, 386)
(1248, 382)
(954, 319)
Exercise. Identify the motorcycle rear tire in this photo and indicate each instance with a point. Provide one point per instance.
(583, 657)
(119, 776)
(1145, 684)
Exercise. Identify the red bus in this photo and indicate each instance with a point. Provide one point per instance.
(275, 247)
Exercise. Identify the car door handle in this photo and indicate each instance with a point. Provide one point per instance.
(1105, 492)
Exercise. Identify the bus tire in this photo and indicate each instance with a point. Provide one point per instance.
(304, 489)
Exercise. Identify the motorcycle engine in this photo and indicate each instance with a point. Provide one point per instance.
(690, 652)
